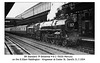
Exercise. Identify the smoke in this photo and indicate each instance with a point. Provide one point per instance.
(53, 10)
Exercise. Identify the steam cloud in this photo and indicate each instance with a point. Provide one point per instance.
(53, 10)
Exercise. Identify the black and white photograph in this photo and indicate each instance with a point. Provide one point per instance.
(49, 28)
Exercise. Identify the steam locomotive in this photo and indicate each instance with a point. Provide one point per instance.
(74, 21)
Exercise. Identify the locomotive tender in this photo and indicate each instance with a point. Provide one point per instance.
(72, 23)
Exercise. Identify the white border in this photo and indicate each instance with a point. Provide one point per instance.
(89, 58)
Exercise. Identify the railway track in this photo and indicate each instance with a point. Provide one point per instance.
(45, 49)
(48, 49)
(15, 49)
(7, 50)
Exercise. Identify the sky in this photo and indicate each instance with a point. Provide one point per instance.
(19, 7)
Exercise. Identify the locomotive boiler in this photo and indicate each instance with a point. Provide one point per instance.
(59, 32)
